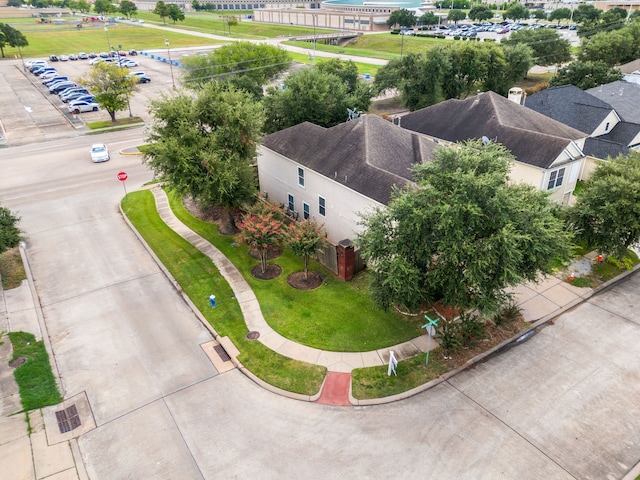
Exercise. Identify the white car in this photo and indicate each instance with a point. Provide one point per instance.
(82, 106)
(125, 62)
(99, 153)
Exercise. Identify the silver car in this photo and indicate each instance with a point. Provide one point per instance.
(99, 153)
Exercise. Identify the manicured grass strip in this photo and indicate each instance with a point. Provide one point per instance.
(363, 68)
(373, 382)
(199, 278)
(11, 269)
(34, 377)
(337, 316)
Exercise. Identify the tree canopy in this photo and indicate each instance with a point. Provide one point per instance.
(244, 64)
(516, 11)
(111, 85)
(162, 10)
(128, 8)
(204, 145)
(606, 215)
(9, 231)
(585, 75)
(175, 13)
(462, 235)
(612, 47)
(102, 6)
(315, 96)
(548, 46)
(429, 18)
(560, 14)
(456, 15)
(402, 18)
(11, 37)
(480, 13)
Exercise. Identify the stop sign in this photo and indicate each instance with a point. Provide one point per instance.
(122, 176)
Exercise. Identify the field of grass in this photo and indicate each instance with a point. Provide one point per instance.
(35, 379)
(199, 278)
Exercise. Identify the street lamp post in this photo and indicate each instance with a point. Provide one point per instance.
(106, 30)
(173, 82)
(120, 65)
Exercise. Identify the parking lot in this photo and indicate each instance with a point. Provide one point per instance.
(29, 113)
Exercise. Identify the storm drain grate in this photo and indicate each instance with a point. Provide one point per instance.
(222, 353)
(68, 419)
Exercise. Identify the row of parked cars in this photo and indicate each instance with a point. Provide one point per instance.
(89, 56)
(77, 97)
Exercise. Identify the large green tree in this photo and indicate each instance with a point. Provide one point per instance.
(548, 46)
(480, 13)
(9, 231)
(586, 75)
(401, 18)
(462, 235)
(175, 13)
(311, 95)
(204, 145)
(429, 18)
(606, 215)
(612, 47)
(102, 7)
(244, 64)
(585, 13)
(11, 37)
(128, 8)
(111, 85)
(560, 14)
(456, 15)
(162, 10)
(516, 11)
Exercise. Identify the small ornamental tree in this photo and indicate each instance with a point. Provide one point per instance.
(261, 228)
(306, 238)
(9, 231)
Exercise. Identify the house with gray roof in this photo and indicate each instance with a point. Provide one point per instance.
(548, 154)
(333, 174)
(623, 97)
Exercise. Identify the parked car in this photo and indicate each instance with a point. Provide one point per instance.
(47, 75)
(82, 56)
(58, 87)
(83, 98)
(77, 107)
(143, 79)
(93, 55)
(99, 153)
(31, 64)
(122, 53)
(57, 78)
(104, 55)
(39, 71)
(133, 52)
(127, 62)
(137, 74)
(53, 58)
(73, 94)
(73, 57)
(63, 58)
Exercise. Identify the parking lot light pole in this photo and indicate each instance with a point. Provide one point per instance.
(106, 30)
(173, 82)
(120, 65)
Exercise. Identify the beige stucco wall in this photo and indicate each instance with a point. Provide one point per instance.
(612, 120)
(323, 18)
(279, 176)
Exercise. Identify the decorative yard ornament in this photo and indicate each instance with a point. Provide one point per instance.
(430, 326)
(393, 364)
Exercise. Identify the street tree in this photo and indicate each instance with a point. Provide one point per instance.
(111, 85)
(585, 13)
(613, 48)
(516, 11)
(128, 8)
(261, 228)
(480, 13)
(175, 13)
(83, 6)
(519, 58)
(9, 231)
(548, 46)
(614, 15)
(401, 18)
(462, 235)
(428, 19)
(12, 37)
(346, 70)
(456, 16)
(311, 95)
(204, 144)
(560, 14)
(103, 7)
(606, 215)
(162, 10)
(244, 64)
(585, 75)
(467, 67)
(306, 238)
(538, 14)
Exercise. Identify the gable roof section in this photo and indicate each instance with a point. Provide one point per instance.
(533, 138)
(369, 156)
(624, 97)
(600, 147)
(571, 106)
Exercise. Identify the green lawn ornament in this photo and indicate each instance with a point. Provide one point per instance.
(430, 326)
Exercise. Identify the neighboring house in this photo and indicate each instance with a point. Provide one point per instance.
(333, 174)
(631, 71)
(624, 98)
(609, 135)
(548, 154)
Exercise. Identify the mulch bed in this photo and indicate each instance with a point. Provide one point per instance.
(298, 281)
(272, 271)
(272, 252)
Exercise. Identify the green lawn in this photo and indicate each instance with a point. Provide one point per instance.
(199, 278)
(337, 316)
(35, 379)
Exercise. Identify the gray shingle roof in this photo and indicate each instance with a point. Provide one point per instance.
(624, 98)
(599, 147)
(630, 67)
(623, 133)
(368, 156)
(571, 106)
(533, 138)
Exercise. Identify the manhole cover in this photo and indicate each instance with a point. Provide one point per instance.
(222, 353)
(253, 335)
(17, 362)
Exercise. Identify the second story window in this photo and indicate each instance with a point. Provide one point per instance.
(301, 176)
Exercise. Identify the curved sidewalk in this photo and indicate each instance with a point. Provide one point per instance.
(343, 362)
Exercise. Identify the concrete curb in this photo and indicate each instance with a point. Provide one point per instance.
(130, 151)
(279, 391)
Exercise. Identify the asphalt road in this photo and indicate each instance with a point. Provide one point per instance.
(561, 406)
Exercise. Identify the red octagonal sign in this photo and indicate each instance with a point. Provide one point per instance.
(122, 176)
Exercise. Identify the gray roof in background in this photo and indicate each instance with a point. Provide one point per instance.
(629, 67)
(533, 138)
(624, 98)
(369, 156)
(571, 106)
(600, 147)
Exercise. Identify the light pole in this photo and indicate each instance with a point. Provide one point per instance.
(315, 40)
(106, 30)
(120, 65)
(173, 82)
